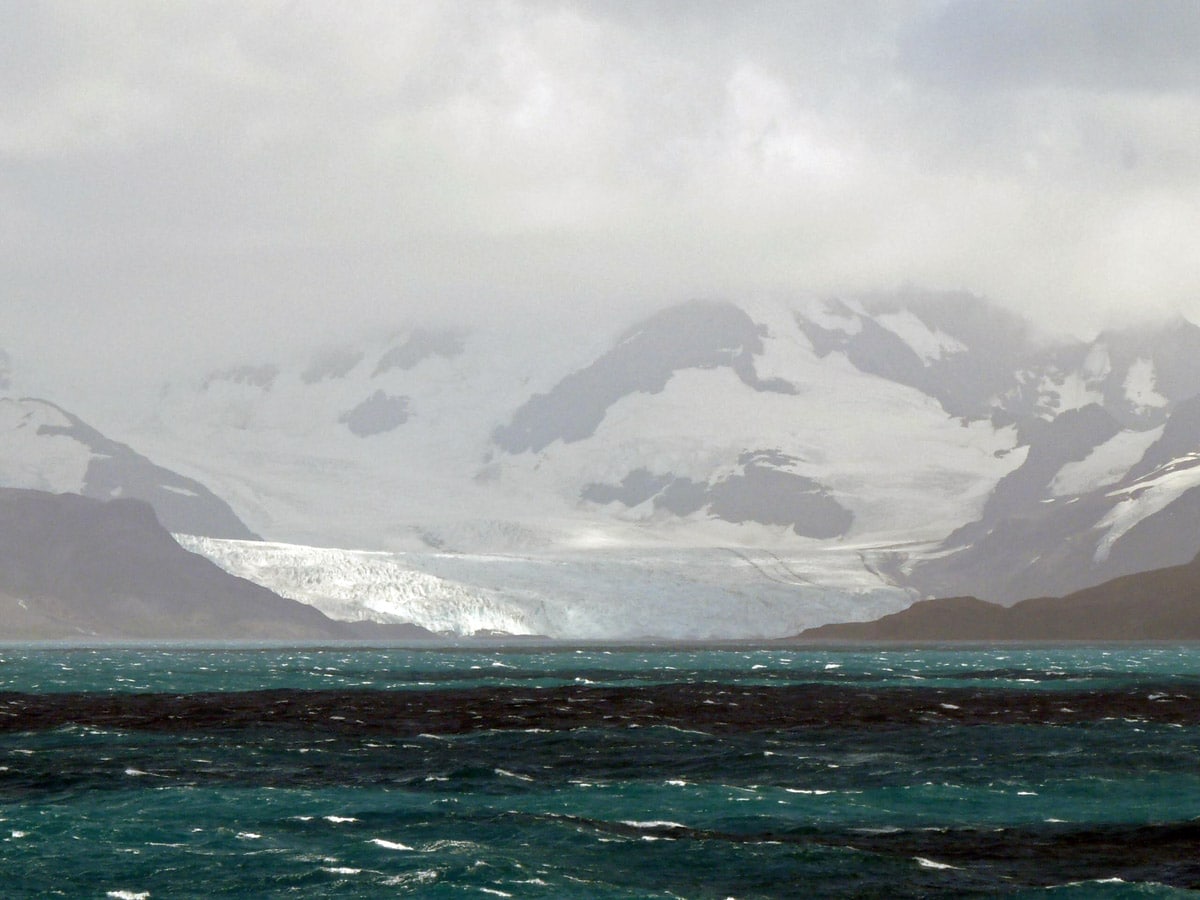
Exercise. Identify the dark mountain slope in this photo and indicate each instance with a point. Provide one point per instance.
(73, 567)
(1161, 605)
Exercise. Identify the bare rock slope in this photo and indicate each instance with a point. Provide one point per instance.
(1160, 605)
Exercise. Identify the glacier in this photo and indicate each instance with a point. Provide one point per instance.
(594, 594)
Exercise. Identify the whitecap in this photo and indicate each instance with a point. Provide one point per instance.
(128, 895)
(1113, 880)
(439, 846)
(337, 820)
(655, 823)
(686, 730)
(932, 864)
(341, 870)
(507, 774)
(248, 836)
(424, 876)
(391, 845)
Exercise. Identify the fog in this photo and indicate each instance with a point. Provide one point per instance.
(188, 182)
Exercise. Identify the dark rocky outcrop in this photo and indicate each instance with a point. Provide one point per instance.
(996, 343)
(378, 414)
(763, 491)
(696, 335)
(422, 344)
(253, 376)
(331, 365)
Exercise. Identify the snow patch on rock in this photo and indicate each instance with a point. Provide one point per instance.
(30, 459)
(1106, 464)
(1070, 391)
(1141, 386)
(1146, 497)
(929, 344)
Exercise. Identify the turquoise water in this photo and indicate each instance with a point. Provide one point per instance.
(599, 772)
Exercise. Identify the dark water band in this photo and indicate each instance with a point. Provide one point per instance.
(717, 708)
(1031, 855)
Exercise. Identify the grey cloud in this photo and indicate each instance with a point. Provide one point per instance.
(1098, 45)
(169, 169)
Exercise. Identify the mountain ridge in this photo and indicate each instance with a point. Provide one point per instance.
(887, 447)
(72, 567)
(1158, 605)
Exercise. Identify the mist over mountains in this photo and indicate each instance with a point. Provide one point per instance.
(729, 469)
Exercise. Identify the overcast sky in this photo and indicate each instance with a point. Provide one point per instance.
(191, 175)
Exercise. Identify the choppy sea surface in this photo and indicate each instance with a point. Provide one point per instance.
(631, 772)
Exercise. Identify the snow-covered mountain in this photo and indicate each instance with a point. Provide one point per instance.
(706, 424)
(559, 478)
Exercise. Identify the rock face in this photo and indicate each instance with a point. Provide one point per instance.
(697, 335)
(75, 568)
(1161, 605)
(378, 414)
(1052, 526)
(762, 489)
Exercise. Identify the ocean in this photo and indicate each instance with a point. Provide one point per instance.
(593, 772)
